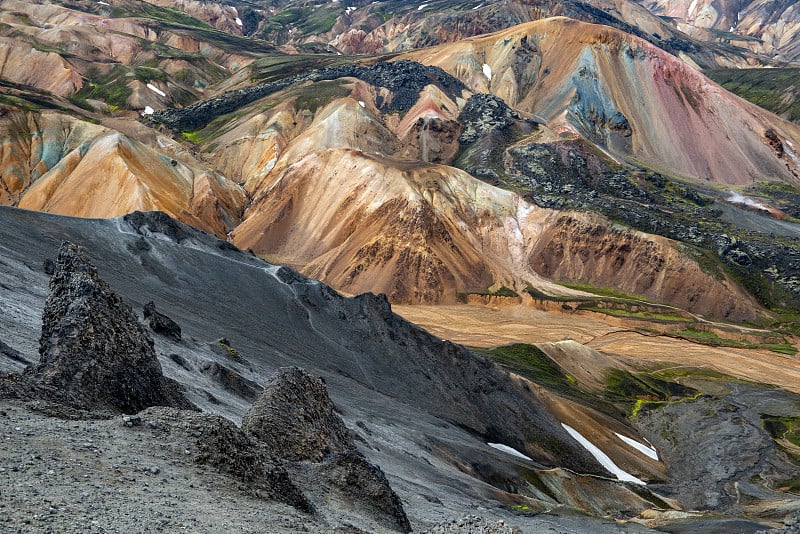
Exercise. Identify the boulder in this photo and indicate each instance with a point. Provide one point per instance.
(231, 380)
(160, 323)
(294, 416)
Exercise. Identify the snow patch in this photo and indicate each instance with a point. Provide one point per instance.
(692, 7)
(422, 6)
(601, 457)
(148, 111)
(487, 71)
(239, 21)
(509, 450)
(647, 450)
(102, 3)
(478, 6)
(156, 90)
(736, 198)
(349, 10)
(362, 103)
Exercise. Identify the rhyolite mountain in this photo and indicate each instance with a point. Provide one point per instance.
(254, 160)
(767, 27)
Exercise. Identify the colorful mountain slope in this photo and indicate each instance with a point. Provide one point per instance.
(635, 101)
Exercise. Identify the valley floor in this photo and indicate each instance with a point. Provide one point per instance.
(486, 327)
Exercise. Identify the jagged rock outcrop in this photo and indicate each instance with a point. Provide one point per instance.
(224, 446)
(365, 485)
(148, 223)
(94, 353)
(482, 114)
(294, 416)
(160, 323)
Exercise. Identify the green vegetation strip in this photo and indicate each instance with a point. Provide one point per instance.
(642, 390)
(776, 90)
(706, 337)
(610, 301)
(502, 292)
(639, 314)
(532, 363)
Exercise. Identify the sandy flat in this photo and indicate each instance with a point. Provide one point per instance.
(484, 327)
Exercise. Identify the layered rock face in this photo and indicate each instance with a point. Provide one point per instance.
(94, 353)
(224, 446)
(52, 162)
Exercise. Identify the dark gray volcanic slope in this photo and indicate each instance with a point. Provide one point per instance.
(405, 389)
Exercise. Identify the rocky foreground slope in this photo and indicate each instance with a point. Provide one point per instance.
(241, 320)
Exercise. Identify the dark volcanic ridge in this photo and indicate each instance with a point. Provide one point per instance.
(97, 358)
(404, 78)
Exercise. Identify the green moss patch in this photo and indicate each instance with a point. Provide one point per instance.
(532, 363)
(787, 428)
(639, 391)
(111, 88)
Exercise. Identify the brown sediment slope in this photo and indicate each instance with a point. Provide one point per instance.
(631, 98)
(422, 233)
(583, 249)
(44, 70)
